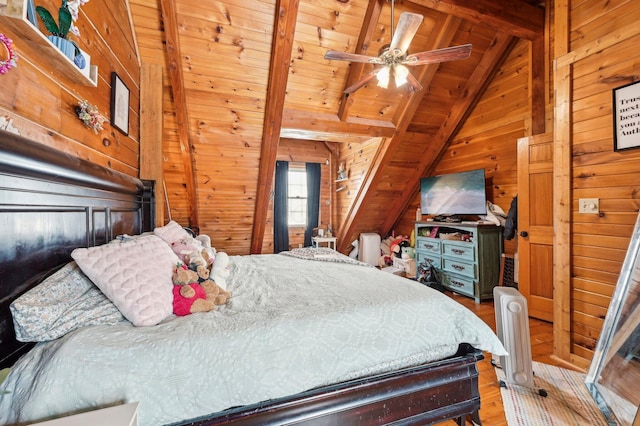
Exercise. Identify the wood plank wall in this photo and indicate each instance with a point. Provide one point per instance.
(599, 242)
(603, 55)
(488, 139)
(41, 100)
(357, 158)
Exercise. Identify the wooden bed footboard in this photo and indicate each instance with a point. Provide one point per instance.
(422, 395)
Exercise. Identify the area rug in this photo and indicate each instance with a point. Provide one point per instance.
(568, 402)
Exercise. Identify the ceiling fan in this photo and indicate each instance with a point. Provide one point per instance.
(394, 59)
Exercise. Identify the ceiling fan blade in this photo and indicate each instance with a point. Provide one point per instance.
(415, 84)
(440, 55)
(407, 27)
(364, 80)
(353, 57)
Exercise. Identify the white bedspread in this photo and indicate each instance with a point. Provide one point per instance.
(291, 325)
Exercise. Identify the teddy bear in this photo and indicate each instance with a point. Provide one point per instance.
(215, 293)
(200, 263)
(189, 295)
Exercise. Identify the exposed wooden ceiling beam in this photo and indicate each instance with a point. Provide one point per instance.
(174, 56)
(448, 27)
(476, 85)
(371, 17)
(515, 17)
(284, 27)
(331, 124)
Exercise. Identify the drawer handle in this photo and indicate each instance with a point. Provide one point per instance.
(458, 267)
(458, 251)
(428, 246)
(456, 283)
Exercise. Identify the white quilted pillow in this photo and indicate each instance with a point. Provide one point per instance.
(134, 275)
(171, 232)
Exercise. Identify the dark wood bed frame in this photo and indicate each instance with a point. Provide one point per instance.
(51, 203)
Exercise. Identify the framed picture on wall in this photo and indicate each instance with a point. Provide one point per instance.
(626, 116)
(119, 104)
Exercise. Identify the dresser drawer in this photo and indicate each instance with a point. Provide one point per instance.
(422, 257)
(428, 245)
(458, 250)
(459, 284)
(457, 267)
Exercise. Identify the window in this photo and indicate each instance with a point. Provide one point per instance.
(297, 195)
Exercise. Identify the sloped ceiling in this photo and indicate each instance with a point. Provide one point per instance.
(242, 74)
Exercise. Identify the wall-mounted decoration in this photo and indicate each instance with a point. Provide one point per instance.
(119, 104)
(10, 56)
(342, 172)
(31, 13)
(626, 116)
(59, 32)
(90, 116)
(6, 124)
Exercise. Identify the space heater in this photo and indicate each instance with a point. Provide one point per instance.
(512, 328)
(369, 248)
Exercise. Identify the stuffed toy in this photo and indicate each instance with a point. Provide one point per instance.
(397, 245)
(200, 263)
(185, 247)
(215, 293)
(188, 245)
(194, 291)
(386, 258)
(205, 240)
(220, 269)
(189, 296)
(408, 253)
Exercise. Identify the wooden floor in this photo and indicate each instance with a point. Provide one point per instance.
(491, 411)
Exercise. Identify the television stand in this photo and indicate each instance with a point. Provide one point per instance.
(466, 255)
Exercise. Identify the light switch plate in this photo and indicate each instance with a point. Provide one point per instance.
(589, 205)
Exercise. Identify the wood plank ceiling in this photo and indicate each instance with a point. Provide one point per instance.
(243, 74)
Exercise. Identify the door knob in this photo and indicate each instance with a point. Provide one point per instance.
(524, 234)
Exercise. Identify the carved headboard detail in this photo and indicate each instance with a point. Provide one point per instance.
(51, 203)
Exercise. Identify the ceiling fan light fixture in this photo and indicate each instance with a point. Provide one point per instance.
(400, 73)
(383, 77)
(394, 58)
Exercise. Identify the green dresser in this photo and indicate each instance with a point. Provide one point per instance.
(466, 254)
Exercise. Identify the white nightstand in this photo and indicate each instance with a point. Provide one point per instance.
(119, 415)
(316, 241)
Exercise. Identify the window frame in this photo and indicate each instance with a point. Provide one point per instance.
(297, 168)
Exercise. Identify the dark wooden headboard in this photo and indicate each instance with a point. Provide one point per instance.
(51, 203)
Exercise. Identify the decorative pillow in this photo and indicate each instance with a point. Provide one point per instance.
(135, 275)
(171, 232)
(62, 302)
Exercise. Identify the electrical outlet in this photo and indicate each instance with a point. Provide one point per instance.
(589, 205)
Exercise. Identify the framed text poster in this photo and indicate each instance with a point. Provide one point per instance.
(626, 117)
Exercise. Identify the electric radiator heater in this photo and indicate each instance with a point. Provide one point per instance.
(369, 248)
(512, 327)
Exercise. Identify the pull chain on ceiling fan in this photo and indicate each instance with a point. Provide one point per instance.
(394, 59)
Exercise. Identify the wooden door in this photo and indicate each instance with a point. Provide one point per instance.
(535, 224)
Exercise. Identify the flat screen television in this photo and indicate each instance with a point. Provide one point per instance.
(454, 194)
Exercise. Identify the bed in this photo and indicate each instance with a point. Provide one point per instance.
(308, 337)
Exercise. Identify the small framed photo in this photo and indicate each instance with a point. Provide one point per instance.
(119, 104)
(626, 117)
